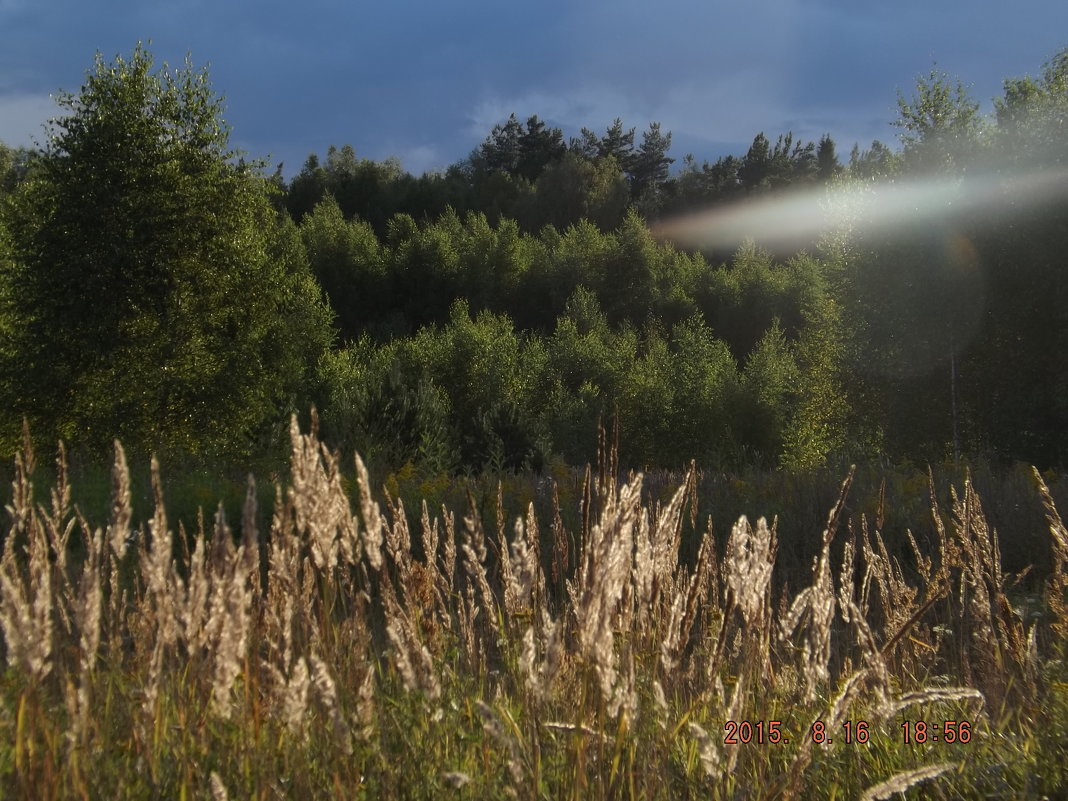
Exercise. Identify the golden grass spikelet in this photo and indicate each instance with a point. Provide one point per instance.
(816, 605)
(521, 571)
(327, 691)
(473, 550)
(157, 568)
(319, 502)
(372, 517)
(448, 553)
(467, 614)
(26, 619)
(455, 779)
(150, 692)
(398, 538)
(194, 612)
(21, 508)
(87, 616)
(58, 523)
(554, 652)
(506, 738)
(293, 693)
(749, 561)
(121, 503)
(605, 571)
(411, 657)
(930, 695)
(1057, 585)
(900, 782)
(232, 638)
(702, 580)
(365, 713)
(666, 536)
(218, 789)
(670, 645)
(707, 750)
(250, 536)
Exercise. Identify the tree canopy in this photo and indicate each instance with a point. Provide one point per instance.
(158, 295)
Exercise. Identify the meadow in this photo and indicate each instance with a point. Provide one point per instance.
(578, 634)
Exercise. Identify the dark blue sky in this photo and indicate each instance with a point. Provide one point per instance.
(425, 81)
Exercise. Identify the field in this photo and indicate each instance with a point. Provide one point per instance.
(606, 641)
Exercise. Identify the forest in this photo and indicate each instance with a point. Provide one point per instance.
(488, 315)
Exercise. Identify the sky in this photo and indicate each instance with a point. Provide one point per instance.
(426, 80)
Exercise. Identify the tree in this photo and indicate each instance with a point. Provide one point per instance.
(307, 189)
(538, 148)
(1032, 117)
(587, 144)
(15, 166)
(753, 172)
(876, 162)
(501, 149)
(161, 299)
(651, 163)
(345, 257)
(827, 166)
(574, 188)
(617, 143)
(940, 125)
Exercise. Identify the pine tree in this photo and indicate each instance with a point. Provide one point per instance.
(539, 147)
(827, 166)
(619, 144)
(756, 165)
(651, 163)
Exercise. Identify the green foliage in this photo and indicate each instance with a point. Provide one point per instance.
(159, 298)
(346, 258)
(823, 424)
(742, 300)
(574, 188)
(879, 161)
(707, 397)
(1032, 118)
(827, 166)
(478, 363)
(770, 383)
(650, 165)
(16, 165)
(940, 124)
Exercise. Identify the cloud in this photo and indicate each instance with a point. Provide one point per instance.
(22, 117)
(417, 159)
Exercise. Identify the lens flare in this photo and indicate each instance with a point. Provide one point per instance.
(797, 220)
(918, 234)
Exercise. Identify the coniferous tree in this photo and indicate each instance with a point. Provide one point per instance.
(587, 144)
(619, 144)
(827, 166)
(501, 150)
(539, 147)
(307, 189)
(753, 172)
(651, 164)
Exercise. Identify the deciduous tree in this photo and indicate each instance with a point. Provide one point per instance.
(160, 297)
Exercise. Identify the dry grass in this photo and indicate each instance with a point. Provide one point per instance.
(336, 652)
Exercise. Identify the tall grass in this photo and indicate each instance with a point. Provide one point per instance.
(345, 645)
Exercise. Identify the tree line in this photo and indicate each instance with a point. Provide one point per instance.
(156, 286)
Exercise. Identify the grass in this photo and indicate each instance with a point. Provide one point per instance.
(605, 641)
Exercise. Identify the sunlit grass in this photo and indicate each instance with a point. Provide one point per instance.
(602, 642)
